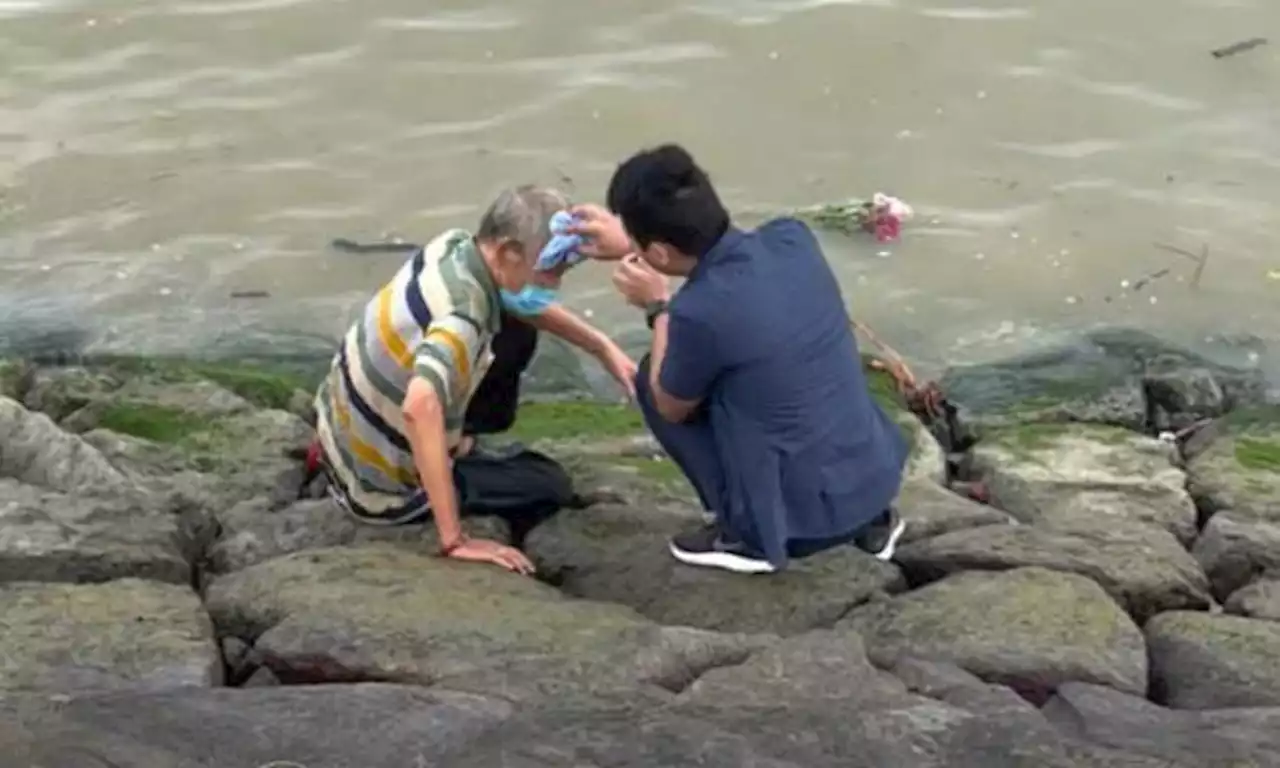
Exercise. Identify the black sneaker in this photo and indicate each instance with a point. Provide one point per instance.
(880, 538)
(708, 547)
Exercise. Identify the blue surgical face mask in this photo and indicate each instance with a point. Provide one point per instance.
(531, 301)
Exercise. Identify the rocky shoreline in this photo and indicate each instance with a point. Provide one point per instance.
(166, 600)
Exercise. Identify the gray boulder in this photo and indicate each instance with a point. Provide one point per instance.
(51, 536)
(1233, 552)
(620, 554)
(1144, 568)
(1204, 661)
(1226, 737)
(1058, 475)
(1259, 600)
(1031, 629)
(128, 633)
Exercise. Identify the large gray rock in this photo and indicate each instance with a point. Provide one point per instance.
(1259, 600)
(1031, 629)
(51, 536)
(331, 726)
(384, 613)
(121, 634)
(1234, 552)
(35, 451)
(1142, 567)
(813, 701)
(1204, 661)
(254, 531)
(929, 509)
(1058, 475)
(1228, 737)
(620, 554)
(1239, 472)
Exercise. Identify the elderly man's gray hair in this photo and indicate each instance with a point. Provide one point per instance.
(522, 214)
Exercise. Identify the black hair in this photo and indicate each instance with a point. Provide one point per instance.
(662, 195)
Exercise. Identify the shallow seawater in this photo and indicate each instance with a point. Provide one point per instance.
(157, 158)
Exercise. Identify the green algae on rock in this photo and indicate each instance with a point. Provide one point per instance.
(1028, 628)
(1061, 474)
(1142, 567)
(1239, 472)
(126, 633)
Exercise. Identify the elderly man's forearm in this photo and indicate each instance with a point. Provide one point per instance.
(424, 421)
(561, 322)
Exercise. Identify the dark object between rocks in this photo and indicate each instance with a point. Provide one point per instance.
(1240, 47)
(929, 404)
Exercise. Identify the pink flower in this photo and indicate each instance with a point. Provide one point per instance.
(886, 226)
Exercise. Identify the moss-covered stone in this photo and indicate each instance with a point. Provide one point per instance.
(10, 379)
(1060, 474)
(261, 384)
(619, 554)
(1029, 628)
(383, 613)
(1142, 567)
(151, 422)
(575, 420)
(1239, 472)
(1206, 661)
(121, 634)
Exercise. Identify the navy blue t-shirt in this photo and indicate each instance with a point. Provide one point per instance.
(760, 333)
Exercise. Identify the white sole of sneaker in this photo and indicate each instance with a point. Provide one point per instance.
(725, 561)
(891, 546)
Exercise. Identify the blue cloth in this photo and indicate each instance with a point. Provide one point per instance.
(563, 247)
(530, 301)
(759, 333)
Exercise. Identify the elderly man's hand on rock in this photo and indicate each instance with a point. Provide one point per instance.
(486, 551)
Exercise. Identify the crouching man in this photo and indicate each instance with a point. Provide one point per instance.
(753, 384)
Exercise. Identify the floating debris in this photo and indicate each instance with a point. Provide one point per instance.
(1240, 47)
(250, 295)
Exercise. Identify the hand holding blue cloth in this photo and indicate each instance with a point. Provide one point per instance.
(561, 249)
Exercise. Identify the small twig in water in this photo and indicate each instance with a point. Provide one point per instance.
(1200, 260)
(1240, 47)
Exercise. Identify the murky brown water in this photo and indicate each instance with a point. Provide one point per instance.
(158, 155)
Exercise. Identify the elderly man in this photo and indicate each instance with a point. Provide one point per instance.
(390, 414)
(753, 384)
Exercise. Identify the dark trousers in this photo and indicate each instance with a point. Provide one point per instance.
(692, 446)
(493, 406)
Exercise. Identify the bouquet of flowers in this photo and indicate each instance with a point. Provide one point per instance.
(882, 216)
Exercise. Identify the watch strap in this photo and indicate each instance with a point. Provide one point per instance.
(652, 310)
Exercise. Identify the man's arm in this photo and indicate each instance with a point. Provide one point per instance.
(562, 322)
(424, 422)
(682, 366)
(442, 373)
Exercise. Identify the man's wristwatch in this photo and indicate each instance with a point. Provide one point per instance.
(652, 310)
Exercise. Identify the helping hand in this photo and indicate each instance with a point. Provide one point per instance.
(486, 551)
(622, 368)
(607, 239)
(640, 283)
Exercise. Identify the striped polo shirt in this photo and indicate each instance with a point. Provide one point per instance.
(435, 319)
